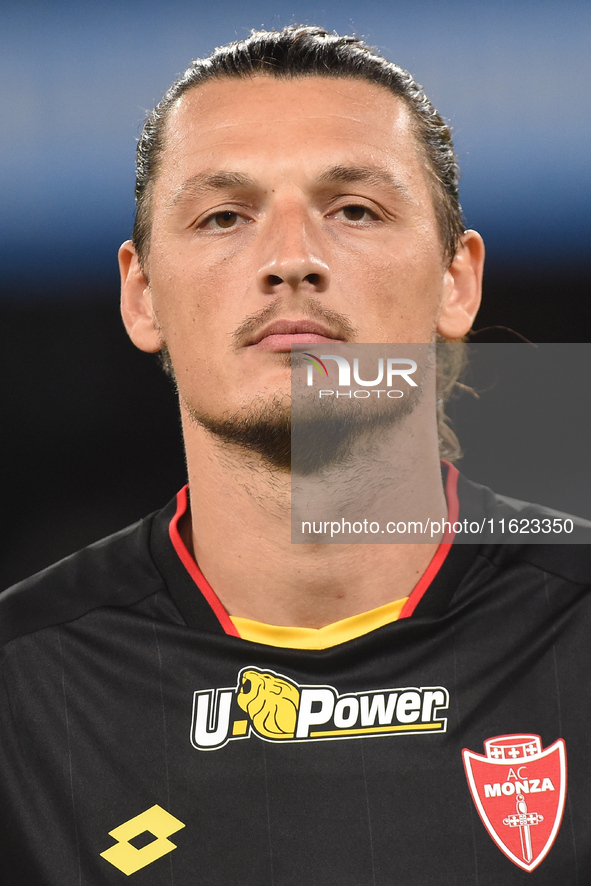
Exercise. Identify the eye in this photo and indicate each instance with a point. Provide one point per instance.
(223, 221)
(356, 213)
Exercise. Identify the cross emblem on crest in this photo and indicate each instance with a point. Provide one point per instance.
(524, 820)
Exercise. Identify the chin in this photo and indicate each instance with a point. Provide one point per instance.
(263, 428)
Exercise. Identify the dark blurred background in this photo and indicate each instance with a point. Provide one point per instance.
(90, 428)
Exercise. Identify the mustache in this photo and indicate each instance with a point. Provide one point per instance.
(310, 308)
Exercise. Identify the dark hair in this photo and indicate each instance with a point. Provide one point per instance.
(298, 51)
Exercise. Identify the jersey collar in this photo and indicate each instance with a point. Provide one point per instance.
(204, 610)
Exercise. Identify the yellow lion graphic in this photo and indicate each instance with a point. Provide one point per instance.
(271, 702)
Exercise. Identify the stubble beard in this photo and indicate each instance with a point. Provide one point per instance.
(324, 434)
(263, 430)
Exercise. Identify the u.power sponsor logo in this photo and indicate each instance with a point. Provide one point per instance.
(274, 708)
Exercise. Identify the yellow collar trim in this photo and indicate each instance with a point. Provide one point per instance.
(319, 638)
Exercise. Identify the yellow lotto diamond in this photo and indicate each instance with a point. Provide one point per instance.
(126, 857)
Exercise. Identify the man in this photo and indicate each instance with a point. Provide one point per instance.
(197, 699)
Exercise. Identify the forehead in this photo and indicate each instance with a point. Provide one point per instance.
(274, 124)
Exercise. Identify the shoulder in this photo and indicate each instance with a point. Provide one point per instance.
(116, 571)
(520, 532)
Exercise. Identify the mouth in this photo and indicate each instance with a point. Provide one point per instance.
(282, 334)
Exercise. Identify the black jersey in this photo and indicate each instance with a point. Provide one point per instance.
(143, 741)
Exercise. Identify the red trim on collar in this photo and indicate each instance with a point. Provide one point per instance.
(191, 566)
(453, 512)
(453, 509)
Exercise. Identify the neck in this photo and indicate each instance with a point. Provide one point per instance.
(242, 514)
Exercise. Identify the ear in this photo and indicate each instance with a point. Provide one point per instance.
(136, 302)
(462, 288)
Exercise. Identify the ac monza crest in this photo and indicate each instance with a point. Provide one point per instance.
(519, 790)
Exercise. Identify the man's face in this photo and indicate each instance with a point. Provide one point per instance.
(288, 212)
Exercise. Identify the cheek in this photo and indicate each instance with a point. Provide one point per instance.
(187, 304)
(208, 282)
(397, 293)
(197, 322)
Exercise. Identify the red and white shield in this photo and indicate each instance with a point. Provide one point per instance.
(519, 791)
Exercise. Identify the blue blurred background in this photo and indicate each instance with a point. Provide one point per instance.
(90, 426)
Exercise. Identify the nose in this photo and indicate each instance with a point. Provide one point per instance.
(292, 257)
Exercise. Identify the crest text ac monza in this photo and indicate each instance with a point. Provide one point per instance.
(519, 791)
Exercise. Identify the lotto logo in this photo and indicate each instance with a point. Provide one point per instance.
(155, 822)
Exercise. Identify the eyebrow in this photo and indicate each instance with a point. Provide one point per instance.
(224, 180)
(372, 175)
(202, 182)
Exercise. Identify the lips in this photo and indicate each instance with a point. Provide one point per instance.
(282, 334)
